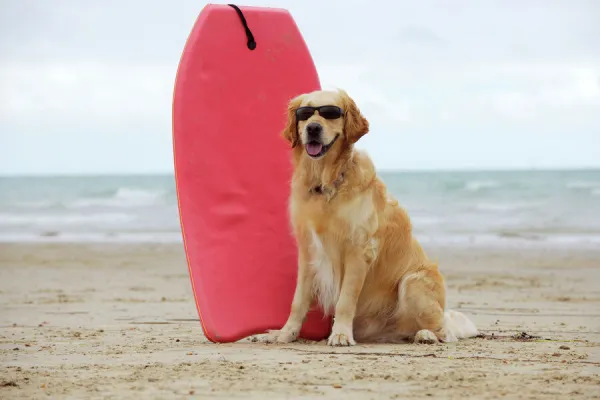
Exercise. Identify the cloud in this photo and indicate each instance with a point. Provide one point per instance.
(445, 84)
(62, 93)
(420, 35)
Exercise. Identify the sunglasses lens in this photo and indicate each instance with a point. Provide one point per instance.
(330, 112)
(304, 113)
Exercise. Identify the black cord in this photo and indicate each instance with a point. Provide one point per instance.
(251, 43)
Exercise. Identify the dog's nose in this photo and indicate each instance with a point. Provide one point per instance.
(314, 130)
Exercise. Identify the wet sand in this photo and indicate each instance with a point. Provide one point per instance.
(119, 321)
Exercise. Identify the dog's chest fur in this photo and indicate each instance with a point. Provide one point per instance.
(326, 284)
(329, 229)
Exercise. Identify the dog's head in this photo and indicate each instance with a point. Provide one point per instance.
(322, 120)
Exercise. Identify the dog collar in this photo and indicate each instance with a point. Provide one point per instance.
(322, 189)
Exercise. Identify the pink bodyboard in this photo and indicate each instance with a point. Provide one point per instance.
(233, 169)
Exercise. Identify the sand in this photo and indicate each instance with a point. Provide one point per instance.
(119, 321)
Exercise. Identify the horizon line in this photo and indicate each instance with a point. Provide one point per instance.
(379, 170)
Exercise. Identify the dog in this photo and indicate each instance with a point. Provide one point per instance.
(357, 255)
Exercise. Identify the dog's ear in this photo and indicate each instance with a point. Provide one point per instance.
(290, 132)
(355, 124)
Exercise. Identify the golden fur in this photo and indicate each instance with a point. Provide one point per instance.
(357, 255)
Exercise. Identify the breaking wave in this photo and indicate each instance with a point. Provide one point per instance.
(476, 186)
(123, 197)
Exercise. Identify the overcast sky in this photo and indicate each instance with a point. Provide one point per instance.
(86, 86)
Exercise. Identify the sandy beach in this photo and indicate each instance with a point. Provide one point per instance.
(119, 321)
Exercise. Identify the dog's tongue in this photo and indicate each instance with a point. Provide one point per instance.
(314, 148)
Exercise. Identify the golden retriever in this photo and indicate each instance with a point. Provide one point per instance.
(356, 253)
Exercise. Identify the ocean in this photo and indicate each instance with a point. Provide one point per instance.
(516, 208)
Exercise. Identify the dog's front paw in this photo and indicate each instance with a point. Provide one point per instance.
(280, 336)
(426, 337)
(341, 337)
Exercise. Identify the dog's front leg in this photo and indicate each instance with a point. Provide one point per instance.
(355, 271)
(301, 302)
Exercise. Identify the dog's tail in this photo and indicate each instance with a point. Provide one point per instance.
(458, 326)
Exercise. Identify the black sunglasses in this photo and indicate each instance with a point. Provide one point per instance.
(327, 112)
